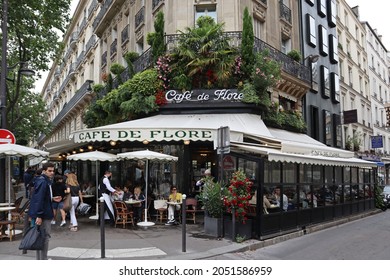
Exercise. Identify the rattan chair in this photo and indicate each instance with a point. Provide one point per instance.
(161, 208)
(123, 215)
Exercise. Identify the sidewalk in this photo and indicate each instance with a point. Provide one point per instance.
(155, 242)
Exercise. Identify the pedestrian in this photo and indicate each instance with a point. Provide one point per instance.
(27, 179)
(75, 192)
(41, 210)
(59, 189)
(106, 190)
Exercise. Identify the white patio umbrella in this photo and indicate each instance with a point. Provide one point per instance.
(97, 157)
(148, 156)
(7, 150)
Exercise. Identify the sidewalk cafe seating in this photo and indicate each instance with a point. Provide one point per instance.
(7, 224)
(192, 209)
(123, 215)
(18, 213)
(161, 207)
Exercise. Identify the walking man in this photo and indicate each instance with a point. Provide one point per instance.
(41, 210)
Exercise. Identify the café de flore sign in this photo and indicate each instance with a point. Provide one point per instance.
(165, 127)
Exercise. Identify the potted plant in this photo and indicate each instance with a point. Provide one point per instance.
(236, 201)
(211, 198)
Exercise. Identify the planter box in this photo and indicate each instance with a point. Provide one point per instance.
(213, 226)
(243, 230)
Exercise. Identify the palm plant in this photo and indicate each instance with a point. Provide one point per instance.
(204, 55)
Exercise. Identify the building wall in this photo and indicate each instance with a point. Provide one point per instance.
(354, 79)
(322, 104)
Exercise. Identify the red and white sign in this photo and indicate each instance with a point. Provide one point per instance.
(228, 163)
(7, 137)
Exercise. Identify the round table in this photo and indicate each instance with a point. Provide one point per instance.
(3, 204)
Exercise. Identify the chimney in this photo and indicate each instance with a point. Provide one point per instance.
(355, 10)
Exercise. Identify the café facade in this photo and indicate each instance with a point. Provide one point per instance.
(321, 183)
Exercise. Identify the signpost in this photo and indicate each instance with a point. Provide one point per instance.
(7, 137)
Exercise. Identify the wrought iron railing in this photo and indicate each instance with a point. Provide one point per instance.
(285, 12)
(155, 3)
(92, 7)
(83, 91)
(139, 17)
(125, 34)
(80, 59)
(101, 13)
(113, 47)
(104, 58)
(91, 42)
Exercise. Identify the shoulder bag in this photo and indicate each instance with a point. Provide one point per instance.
(67, 202)
(34, 239)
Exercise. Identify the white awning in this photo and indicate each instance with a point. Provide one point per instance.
(195, 127)
(276, 155)
(302, 144)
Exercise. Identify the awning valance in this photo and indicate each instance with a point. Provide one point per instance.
(277, 155)
(195, 127)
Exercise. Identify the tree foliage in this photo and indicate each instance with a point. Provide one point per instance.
(157, 39)
(33, 37)
(247, 44)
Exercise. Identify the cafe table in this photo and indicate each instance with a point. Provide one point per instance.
(9, 209)
(4, 204)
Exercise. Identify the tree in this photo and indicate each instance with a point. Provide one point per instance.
(33, 37)
(156, 39)
(247, 44)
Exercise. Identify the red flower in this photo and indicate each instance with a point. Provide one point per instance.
(160, 98)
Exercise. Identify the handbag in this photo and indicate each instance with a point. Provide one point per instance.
(34, 239)
(67, 202)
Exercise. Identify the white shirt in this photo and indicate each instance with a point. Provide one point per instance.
(106, 181)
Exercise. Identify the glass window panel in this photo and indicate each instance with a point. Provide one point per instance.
(323, 34)
(272, 172)
(333, 44)
(317, 198)
(305, 173)
(311, 30)
(325, 85)
(321, 5)
(289, 172)
(354, 175)
(329, 175)
(332, 13)
(335, 87)
(314, 76)
(290, 192)
(338, 175)
(317, 174)
(328, 128)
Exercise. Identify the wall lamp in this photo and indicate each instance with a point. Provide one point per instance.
(145, 142)
(112, 143)
(313, 58)
(186, 142)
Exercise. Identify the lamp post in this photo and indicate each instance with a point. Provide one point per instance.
(3, 78)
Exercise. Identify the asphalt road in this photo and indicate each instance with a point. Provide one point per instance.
(363, 239)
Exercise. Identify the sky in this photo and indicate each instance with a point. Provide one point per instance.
(376, 13)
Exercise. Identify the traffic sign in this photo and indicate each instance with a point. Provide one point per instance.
(7, 137)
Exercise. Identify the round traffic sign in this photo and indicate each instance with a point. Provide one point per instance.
(7, 137)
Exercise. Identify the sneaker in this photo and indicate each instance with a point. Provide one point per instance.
(63, 223)
(169, 223)
(53, 222)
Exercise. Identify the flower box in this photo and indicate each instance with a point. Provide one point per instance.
(243, 230)
(213, 226)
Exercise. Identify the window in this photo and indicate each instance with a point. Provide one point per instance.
(314, 76)
(311, 30)
(286, 46)
(206, 10)
(332, 12)
(310, 2)
(323, 34)
(350, 76)
(325, 84)
(335, 87)
(334, 58)
(314, 122)
(337, 130)
(321, 6)
(327, 127)
(258, 28)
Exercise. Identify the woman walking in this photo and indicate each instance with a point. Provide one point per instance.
(77, 198)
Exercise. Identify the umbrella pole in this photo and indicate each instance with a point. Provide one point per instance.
(146, 190)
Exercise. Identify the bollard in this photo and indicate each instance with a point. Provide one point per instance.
(102, 237)
(183, 223)
(233, 224)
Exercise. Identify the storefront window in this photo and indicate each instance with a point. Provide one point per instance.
(291, 193)
(317, 174)
(305, 173)
(329, 175)
(289, 172)
(318, 197)
(272, 172)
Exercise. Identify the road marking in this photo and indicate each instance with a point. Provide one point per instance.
(85, 253)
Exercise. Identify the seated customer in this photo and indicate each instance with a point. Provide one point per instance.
(137, 208)
(278, 199)
(173, 197)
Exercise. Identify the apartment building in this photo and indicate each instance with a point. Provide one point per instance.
(101, 32)
(356, 97)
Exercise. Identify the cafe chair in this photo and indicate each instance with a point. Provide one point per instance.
(123, 215)
(18, 214)
(191, 209)
(161, 207)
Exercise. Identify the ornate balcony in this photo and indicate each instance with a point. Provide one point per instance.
(113, 48)
(90, 44)
(78, 100)
(156, 3)
(285, 12)
(104, 59)
(140, 17)
(107, 12)
(125, 35)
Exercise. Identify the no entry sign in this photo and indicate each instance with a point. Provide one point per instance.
(7, 137)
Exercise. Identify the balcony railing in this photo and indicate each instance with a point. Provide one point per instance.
(73, 38)
(80, 59)
(285, 12)
(79, 95)
(92, 7)
(91, 42)
(125, 34)
(83, 24)
(104, 58)
(289, 65)
(113, 48)
(155, 3)
(140, 17)
(101, 13)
